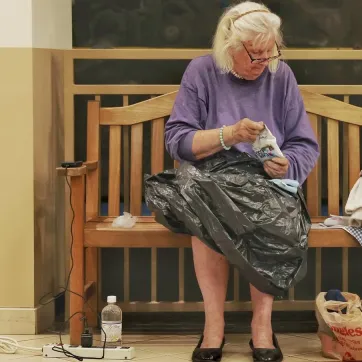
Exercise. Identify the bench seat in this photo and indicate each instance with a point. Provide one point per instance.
(147, 233)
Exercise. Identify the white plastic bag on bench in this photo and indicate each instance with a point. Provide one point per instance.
(126, 221)
(347, 327)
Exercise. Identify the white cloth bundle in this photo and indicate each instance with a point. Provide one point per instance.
(354, 205)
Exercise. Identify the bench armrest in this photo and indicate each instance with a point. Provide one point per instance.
(78, 171)
(91, 165)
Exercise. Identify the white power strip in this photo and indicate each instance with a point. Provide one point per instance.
(125, 353)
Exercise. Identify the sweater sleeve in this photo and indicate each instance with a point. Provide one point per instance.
(187, 117)
(300, 146)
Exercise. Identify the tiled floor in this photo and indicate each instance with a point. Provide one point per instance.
(170, 348)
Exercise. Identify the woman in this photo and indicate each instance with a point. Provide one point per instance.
(225, 100)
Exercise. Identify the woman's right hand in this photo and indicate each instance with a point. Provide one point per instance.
(246, 131)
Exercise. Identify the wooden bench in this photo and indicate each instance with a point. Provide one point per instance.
(94, 231)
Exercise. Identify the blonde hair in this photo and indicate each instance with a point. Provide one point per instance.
(247, 21)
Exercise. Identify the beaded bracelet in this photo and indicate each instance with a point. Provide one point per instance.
(221, 136)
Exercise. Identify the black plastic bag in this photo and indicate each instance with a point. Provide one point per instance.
(229, 202)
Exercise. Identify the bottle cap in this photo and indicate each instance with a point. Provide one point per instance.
(111, 299)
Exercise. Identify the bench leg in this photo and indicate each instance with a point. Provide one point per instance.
(77, 275)
(91, 275)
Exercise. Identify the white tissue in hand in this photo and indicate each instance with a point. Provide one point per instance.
(125, 221)
(266, 147)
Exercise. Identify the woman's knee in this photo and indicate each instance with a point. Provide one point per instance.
(201, 248)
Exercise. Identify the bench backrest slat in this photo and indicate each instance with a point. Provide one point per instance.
(333, 166)
(157, 145)
(314, 181)
(126, 160)
(136, 179)
(114, 179)
(354, 159)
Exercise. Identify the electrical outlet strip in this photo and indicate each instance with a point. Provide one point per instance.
(115, 353)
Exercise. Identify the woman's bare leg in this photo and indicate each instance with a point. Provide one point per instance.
(212, 272)
(261, 326)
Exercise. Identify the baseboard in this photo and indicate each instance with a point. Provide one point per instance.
(193, 322)
(26, 320)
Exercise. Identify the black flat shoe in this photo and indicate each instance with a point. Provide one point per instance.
(267, 354)
(207, 354)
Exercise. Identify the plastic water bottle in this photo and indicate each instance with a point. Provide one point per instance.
(112, 323)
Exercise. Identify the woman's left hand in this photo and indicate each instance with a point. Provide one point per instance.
(276, 167)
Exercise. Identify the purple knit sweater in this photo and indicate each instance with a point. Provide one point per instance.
(209, 99)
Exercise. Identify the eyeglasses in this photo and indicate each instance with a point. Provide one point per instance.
(262, 60)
